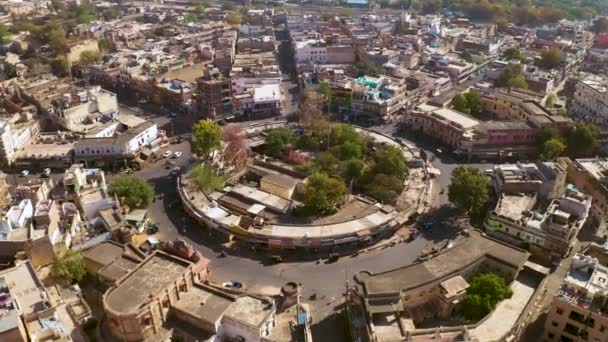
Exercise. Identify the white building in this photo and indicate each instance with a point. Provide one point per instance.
(310, 51)
(126, 144)
(590, 102)
(18, 216)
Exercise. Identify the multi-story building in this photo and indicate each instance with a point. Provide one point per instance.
(446, 125)
(590, 176)
(578, 311)
(213, 96)
(590, 101)
(378, 96)
(550, 233)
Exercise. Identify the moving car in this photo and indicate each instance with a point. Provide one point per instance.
(177, 154)
(46, 172)
(233, 284)
(167, 154)
(24, 173)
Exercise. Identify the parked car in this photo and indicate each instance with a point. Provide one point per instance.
(177, 154)
(167, 154)
(233, 284)
(46, 172)
(333, 257)
(24, 173)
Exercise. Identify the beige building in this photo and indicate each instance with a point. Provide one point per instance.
(447, 125)
(589, 175)
(279, 185)
(578, 309)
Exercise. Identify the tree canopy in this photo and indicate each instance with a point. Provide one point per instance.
(550, 58)
(323, 193)
(276, 141)
(132, 190)
(88, 57)
(484, 292)
(207, 135)
(581, 140)
(234, 18)
(468, 189)
(469, 102)
(207, 179)
(70, 267)
(514, 53)
(389, 160)
(552, 149)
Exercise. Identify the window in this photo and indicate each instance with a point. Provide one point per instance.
(603, 328)
(559, 311)
(571, 329)
(147, 321)
(554, 323)
(551, 335)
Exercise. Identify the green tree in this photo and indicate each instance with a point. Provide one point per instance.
(70, 267)
(8, 70)
(60, 66)
(207, 134)
(323, 193)
(5, 34)
(518, 82)
(468, 189)
(352, 169)
(327, 163)
(547, 134)
(276, 141)
(473, 99)
(384, 188)
(56, 40)
(389, 160)
(207, 179)
(467, 56)
(106, 44)
(550, 58)
(342, 133)
(550, 101)
(111, 13)
(190, 18)
(581, 140)
(348, 150)
(484, 292)
(459, 103)
(200, 9)
(502, 23)
(58, 5)
(600, 25)
(367, 69)
(228, 7)
(234, 18)
(89, 57)
(513, 53)
(552, 149)
(132, 190)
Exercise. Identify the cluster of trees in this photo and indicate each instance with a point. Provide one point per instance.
(367, 69)
(578, 141)
(550, 58)
(207, 178)
(484, 292)
(469, 102)
(514, 53)
(234, 18)
(511, 77)
(344, 158)
(69, 267)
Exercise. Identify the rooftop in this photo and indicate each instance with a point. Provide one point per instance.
(443, 266)
(249, 310)
(515, 206)
(205, 303)
(151, 277)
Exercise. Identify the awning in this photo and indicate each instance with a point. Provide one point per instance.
(433, 171)
(346, 240)
(363, 233)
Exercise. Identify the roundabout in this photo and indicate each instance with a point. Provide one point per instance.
(263, 202)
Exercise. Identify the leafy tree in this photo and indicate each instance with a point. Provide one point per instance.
(323, 193)
(390, 161)
(58, 5)
(276, 141)
(200, 9)
(207, 179)
(111, 13)
(513, 53)
(518, 82)
(234, 18)
(89, 57)
(60, 66)
(326, 16)
(8, 70)
(235, 151)
(484, 292)
(600, 25)
(473, 102)
(459, 103)
(70, 267)
(468, 189)
(348, 150)
(581, 140)
(547, 134)
(342, 133)
(467, 56)
(106, 44)
(550, 101)
(310, 107)
(132, 190)
(5, 34)
(190, 18)
(56, 39)
(510, 73)
(352, 169)
(384, 188)
(327, 163)
(550, 58)
(346, 12)
(367, 69)
(502, 23)
(552, 149)
(206, 138)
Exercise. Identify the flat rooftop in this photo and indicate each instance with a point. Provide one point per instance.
(597, 167)
(249, 310)
(262, 197)
(441, 267)
(25, 285)
(514, 206)
(204, 303)
(464, 121)
(152, 276)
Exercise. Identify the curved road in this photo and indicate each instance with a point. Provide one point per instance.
(326, 280)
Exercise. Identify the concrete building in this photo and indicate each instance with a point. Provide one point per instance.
(280, 185)
(549, 233)
(578, 311)
(589, 175)
(546, 179)
(165, 290)
(446, 125)
(590, 101)
(378, 97)
(213, 96)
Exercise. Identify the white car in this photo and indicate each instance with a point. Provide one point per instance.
(46, 172)
(167, 154)
(177, 154)
(24, 173)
